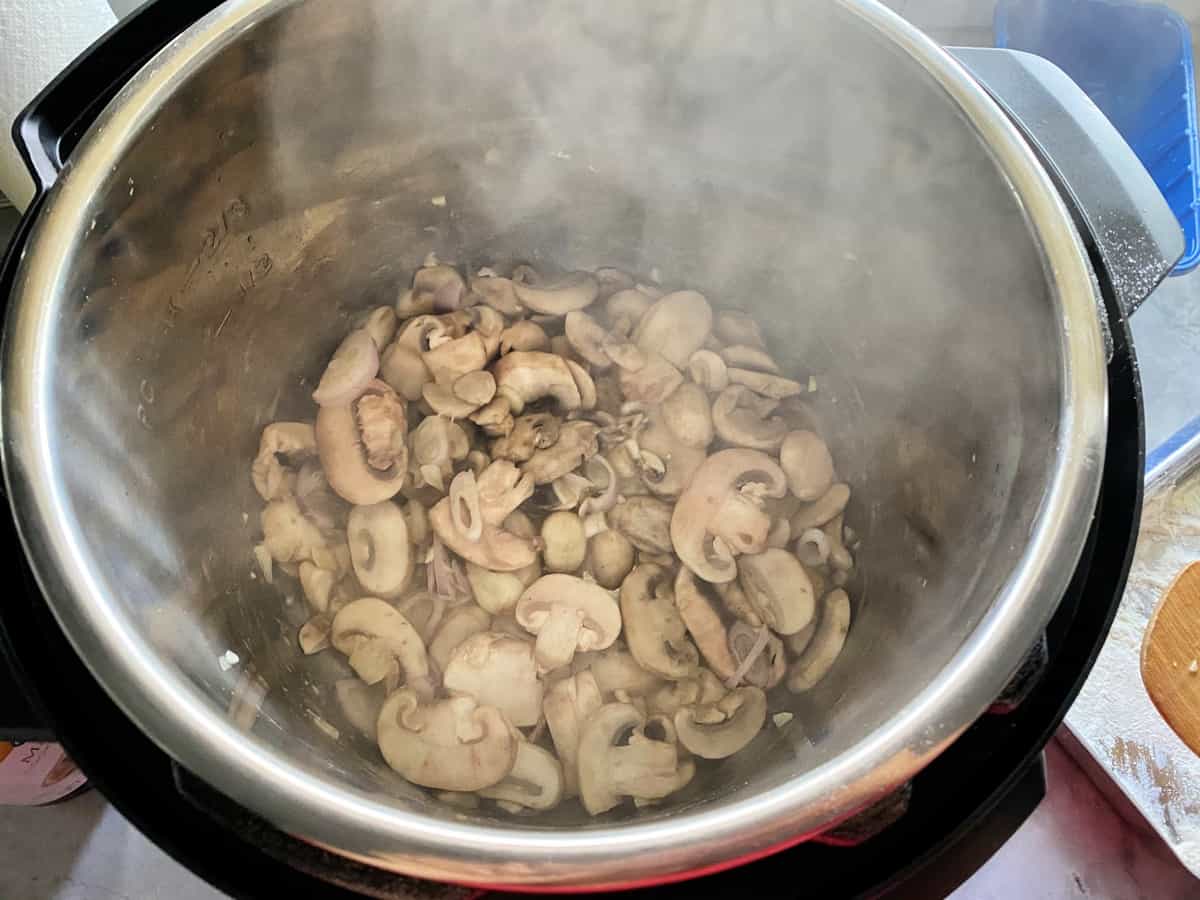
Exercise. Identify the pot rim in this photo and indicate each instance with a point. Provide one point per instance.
(184, 722)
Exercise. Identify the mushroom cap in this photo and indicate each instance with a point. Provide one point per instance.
(535, 782)
(456, 357)
(402, 368)
(500, 671)
(722, 501)
(743, 713)
(743, 418)
(703, 622)
(564, 544)
(643, 768)
(567, 613)
(371, 620)
(569, 702)
(379, 548)
(556, 298)
(452, 745)
(609, 558)
(344, 446)
(779, 588)
(826, 644)
(525, 376)
(496, 592)
(350, 370)
(675, 326)
(654, 630)
(821, 511)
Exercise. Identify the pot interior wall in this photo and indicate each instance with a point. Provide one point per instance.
(778, 157)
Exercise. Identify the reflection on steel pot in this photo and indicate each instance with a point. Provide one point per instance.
(285, 166)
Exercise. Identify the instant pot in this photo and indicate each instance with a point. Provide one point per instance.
(948, 242)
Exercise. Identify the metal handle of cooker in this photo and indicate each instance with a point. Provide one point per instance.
(1119, 210)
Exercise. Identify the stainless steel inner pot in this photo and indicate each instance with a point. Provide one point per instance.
(272, 172)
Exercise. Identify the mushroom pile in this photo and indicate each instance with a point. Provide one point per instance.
(570, 534)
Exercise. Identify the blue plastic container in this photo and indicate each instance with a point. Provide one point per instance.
(1135, 61)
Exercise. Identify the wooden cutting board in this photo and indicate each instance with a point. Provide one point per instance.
(1171, 656)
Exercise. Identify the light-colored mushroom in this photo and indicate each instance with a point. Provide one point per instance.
(822, 510)
(353, 365)
(743, 418)
(720, 513)
(700, 615)
(609, 558)
(775, 387)
(497, 293)
(704, 687)
(780, 534)
(536, 781)
(577, 442)
(451, 360)
(625, 309)
(382, 645)
(380, 323)
(529, 433)
(708, 370)
(687, 413)
(652, 382)
(569, 703)
(587, 337)
(475, 388)
(759, 654)
(654, 630)
(497, 592)
(379, 548)
(500, 671)
(437, 444)
(288, 535)
(612, 279)
(567, 614)
(501, 489)
(675, 327)
(523, 377)
(585, 384)
(745, 356)
(826, 645)
(494, 418)
(779, 588)
(559, 297)
(645, 521)
(424, 611)
(360, 703)
(458, 624)
(733, 598)
(563, 543)
(721, 729)
(840, 558)
(402, 368)
(439, 287)
(672, 462)
(797, 643)
(736, 327)
(454, 745)
(317, 584)
(523, 336)
(314, 635)
(283, 445)
(641, 768)
(362, 445)
(615, 670)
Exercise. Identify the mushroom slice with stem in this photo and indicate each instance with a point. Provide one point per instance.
(699, 613)
(654, 630)
(759, 654)
(675, 327)
(774, 386)
(281, 443)
(569, 702)
(645, 521)
(500, 671)
(529, 433)
(603, 491)
(536, 781)
(557, 298)
(382, 645)
(567, 614)
(708, 370)
(720, 513)
(464, 506)
(610, 770)
(650, 383)
(362, 445)
(379, 548)
(743, 418)
(353, 365)
(719, 730)
(439, 287)
(822, 510)
(494, 418)
(452, 745)
(826, 645)
(458, 624)
(577, 441)
(779, 588)
(667, 464)
(449, 361)
(496, 549)
(525, 376)
(317, 584)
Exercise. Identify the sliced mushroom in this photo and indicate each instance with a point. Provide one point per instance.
(625, 309)
(494, 418)
(352, 367)
(667, 463)
(362, 445)
(317, 584)
(424, 611)
(314, 635)
(453, 745)
(281, 443)
(403, 369)
(496, 549)
(744, 356)
(736, 327)
(379, 548)
(290, 536)
(569, 703)
(779, 588)
(612, 280)
(774, 386)
(615, 670)
(797, 643)
(703, 621)
(585, 384)
(652, 382)
(826, 645)
(720, 514)
(708, 370)
(563, 543)
(719, 730)
(449, 361)
(645, 521)
(458, 624)
(609, 558)
(523, 377)
(587, 337)
(382, 645)
(577, 441)
(498, 293)
(654, 630)
(380, 324)
(743, 418)
(704, 688)
(523, 336)
(536, 781)
(360, 704)
(840, 558)
(759, 654)
(475, 388)
(496, 592)
(559, 297)
(734, 599)
(641, 768)
(602, 493)
(567, 614)
(529, 433)
(437, 444)
(675, 327)
(439, 287)
(500, 671)
(822, 510)
(687, 413)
